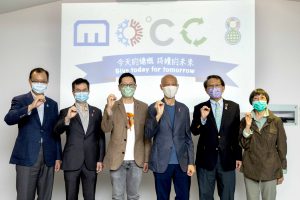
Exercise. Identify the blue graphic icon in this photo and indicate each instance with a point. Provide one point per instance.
(91, 33)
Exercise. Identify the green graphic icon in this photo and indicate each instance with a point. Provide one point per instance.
(184, 33)
(233, 35)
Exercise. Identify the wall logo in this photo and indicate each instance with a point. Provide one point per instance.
(97, 34)
(129, 33)
(233, 35)
(196, 42)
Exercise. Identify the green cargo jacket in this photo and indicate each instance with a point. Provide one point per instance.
(264, 156)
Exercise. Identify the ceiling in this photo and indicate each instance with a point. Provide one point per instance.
(13, 5)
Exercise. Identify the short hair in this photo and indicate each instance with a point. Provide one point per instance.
(39, 70)
(79, 81)
(256, 92)
(127, 74)
(216, 77)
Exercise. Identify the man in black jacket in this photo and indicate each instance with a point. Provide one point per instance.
(218, 153)
(85, 144)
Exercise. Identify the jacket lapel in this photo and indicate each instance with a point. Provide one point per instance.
(211, 116)
(121, 107)
(46, 111)
(136, 116)
(166, 115)
(225, 112)
(91, 119)
(77, 118)
(79, 122)
(34, 112)
(177, 116)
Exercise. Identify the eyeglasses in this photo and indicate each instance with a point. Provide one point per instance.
(75, 91)
(214, 86)
(128, 85)
(35, 81)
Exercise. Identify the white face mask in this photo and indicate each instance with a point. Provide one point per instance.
(170, 91)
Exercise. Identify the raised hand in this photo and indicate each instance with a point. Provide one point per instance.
(248, 118)
(38, 100)
(111, 99)
(204, 112)
(159, 106)
(72, 112)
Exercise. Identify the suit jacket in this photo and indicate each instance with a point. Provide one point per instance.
(211, 142)
(31, 131)
(163, 135)
(81, 147)
(117, 126)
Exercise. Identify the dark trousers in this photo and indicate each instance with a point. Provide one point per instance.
(37, 179)
(181, 180)
(225, 182)
(88, 179)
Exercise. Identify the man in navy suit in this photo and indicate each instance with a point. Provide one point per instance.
(218, 153)
(85, 144)
(37, 153)
(172, 153)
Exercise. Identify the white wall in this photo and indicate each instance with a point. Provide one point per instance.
(278, 70)
(31, 37)
(28, 38)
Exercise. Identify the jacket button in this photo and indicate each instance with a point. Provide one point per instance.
(123, 152)
(125, 140)
(217, 149)
(219, 136)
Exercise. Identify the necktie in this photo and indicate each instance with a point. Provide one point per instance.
(218, 115)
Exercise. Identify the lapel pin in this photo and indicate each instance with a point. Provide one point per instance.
(226, 106)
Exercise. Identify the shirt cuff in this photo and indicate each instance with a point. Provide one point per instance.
(203, 121)
(246, 134)
(284, 171)
(67, 123)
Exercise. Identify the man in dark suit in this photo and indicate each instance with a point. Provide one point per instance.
(36, 152)
(172, 153)
(85, 143)
(218, 153)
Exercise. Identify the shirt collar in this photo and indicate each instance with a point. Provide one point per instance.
(266, 114)
(82, 106)
(215, 102)
(34, 95)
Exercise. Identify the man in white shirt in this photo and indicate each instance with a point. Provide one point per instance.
(128, 150)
